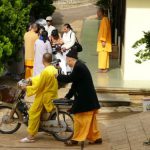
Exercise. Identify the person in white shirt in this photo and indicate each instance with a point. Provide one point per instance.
(49, 28)
(69, 39)
(42, 46)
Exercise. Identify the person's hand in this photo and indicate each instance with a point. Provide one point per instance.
(63, 49)
(29, 81)
(65, 98)
(56, 75)
(23, 87)
(103, 44)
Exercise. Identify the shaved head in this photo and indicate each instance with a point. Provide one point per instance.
(47, 58)
(35, 27)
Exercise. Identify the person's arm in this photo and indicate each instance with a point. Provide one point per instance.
(104, 30)
(60, 40)
(70, 93)
(38, 84)
(49, 48)
(35, 45)
(75, 76)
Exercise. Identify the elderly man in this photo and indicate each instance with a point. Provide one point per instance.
(45, 88)
(86, 104)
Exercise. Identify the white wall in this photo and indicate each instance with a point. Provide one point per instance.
(137, 21)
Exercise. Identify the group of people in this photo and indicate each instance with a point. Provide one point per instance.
(44, 78)
(39, 40)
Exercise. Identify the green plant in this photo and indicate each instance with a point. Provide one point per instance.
(103, 3)
(14, 17)
(143, 46)
(40, 8)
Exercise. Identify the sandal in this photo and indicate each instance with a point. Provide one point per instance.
(98, 141)
(147, 143)
(27, 140)
(71, 143)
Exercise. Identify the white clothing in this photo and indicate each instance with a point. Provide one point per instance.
(40, 48)
(49, 29)
(69, 39)
(63, 65)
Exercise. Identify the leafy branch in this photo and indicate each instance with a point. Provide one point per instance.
(143, 53)
(103, 3)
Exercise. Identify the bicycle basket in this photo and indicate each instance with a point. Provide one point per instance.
(7, 94)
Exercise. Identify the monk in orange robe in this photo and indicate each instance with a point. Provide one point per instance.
(104, 46)
(29, 40)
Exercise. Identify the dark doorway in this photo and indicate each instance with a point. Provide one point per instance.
(118, 24)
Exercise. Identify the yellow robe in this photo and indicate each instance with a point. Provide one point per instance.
(104, 35)
(45, 88)
(85, 126)
(29, 40)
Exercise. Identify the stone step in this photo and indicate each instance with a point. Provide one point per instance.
(122, 90)
(112, 100)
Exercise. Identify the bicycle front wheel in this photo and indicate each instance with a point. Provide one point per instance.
(68, 120)
(7, 125)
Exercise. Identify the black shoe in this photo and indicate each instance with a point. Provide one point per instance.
(98, 141)
(71, 143)
(146, 143)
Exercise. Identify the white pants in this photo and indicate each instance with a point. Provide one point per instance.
(65, 68)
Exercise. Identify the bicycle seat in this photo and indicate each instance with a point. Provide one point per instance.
(63, 101)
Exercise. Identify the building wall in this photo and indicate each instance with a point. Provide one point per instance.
(137, 21)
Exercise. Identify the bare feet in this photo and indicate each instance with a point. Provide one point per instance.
(102, 70)
(105, 70)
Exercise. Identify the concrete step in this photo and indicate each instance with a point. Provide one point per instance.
(112, 100)
(122, 90)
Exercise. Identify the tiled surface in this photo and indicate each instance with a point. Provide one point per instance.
(114, 77)
(119, 132)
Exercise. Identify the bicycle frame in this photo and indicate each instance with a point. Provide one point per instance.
(15, 107)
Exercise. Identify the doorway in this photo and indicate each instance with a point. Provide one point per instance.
(118, 9)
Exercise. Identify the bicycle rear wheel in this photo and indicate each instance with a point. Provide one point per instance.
(68, 120)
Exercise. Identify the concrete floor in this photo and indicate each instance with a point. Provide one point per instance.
(120, 131)
(113, 78)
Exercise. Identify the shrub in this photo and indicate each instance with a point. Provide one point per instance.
(143, 46)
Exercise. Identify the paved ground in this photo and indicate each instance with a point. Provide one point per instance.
(112, 79)
(70, 15)
(121, 130)
(124, 131)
